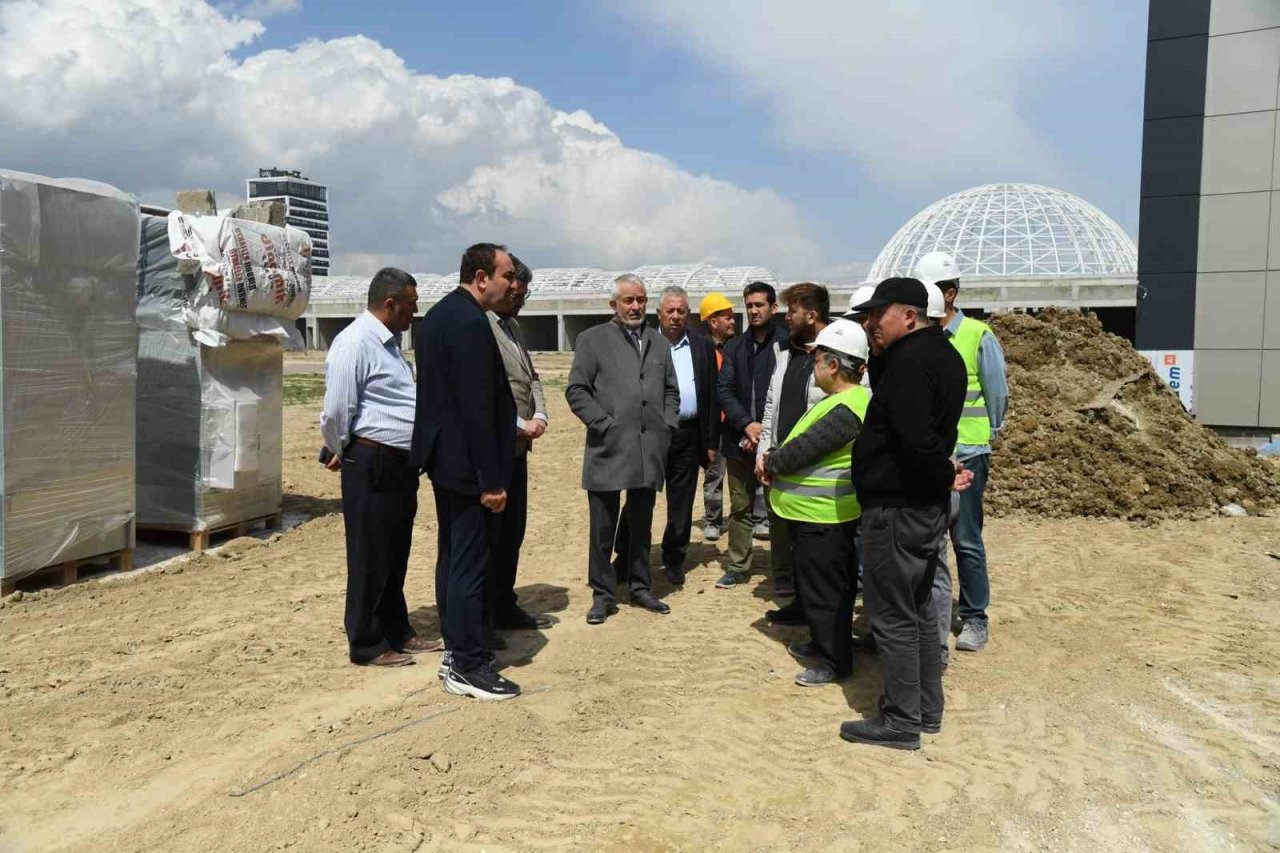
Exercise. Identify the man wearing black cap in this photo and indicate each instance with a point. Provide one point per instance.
(904, 475)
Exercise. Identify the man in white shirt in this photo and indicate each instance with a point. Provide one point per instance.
(367, 424)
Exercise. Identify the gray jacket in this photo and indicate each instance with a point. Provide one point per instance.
(815, 395)
(630, 402)
(526, 388)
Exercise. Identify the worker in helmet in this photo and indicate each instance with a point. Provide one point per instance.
(811, 487)
(716, 313)
(986, 402)
(862, 294)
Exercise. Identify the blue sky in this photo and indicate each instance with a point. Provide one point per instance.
(793, 134)
(659, 96)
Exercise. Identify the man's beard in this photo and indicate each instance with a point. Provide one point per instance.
(804, 336)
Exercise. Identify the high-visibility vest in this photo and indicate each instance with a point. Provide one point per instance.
(975, 426)
(822, 492)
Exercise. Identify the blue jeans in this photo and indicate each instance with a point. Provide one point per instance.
(966, 537)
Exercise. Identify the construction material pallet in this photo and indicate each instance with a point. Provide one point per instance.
(69, 572)
(200, 539)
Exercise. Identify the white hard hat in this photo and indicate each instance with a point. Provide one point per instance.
(937, 302)
(935, 267)
(861, 295)
(846, 337)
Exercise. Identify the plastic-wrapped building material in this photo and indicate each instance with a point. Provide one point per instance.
(209, 417)
(68, 349)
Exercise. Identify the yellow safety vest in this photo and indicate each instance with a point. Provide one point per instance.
(975, 426)
(822, 493)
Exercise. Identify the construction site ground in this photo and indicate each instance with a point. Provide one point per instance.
(1129, 700)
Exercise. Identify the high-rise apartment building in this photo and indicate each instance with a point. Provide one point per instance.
(306, 207)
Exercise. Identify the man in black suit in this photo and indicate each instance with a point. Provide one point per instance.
(695, 440)
(463, 440)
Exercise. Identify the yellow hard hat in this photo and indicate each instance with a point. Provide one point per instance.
(713, 303)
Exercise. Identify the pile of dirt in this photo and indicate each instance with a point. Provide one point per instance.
(1093, 431)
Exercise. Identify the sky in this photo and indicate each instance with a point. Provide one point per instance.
(793, 134)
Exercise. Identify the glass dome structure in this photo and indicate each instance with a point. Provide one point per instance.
(1012, 230)
(563, 281)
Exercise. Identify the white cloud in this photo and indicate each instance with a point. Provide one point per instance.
(260, 8)
(916, 91)
(145, 94)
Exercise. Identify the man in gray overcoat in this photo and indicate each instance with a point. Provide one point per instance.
(623, 387)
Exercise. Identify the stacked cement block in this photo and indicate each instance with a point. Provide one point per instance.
(68, 366)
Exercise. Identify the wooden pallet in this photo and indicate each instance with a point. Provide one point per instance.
(200, 539)
(68, 573)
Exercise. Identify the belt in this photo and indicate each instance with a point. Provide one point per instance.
(394, 451)
(691, 423)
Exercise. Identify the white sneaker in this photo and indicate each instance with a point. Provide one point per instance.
(710, 533)
(446, 663)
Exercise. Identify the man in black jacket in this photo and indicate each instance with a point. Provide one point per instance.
(903, 473)
(464, 441)
(741, 389)
(697, 438)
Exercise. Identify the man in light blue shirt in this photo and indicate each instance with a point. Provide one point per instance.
(984, 360)
(697, 438)
(682, 356)
(367, 424)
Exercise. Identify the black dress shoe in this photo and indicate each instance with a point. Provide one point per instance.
(649, 602)
(874, 731)
(600, 612)
(518, 619)
(792, 614)
(675, 574)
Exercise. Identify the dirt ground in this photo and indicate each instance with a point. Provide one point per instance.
(1130, 700)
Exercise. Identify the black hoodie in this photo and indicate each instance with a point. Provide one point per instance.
(903, 455)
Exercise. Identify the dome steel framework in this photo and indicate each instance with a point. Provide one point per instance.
(1011, 230)
(564, 281)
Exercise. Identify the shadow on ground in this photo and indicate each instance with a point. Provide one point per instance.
(309, 505)
(522, 646)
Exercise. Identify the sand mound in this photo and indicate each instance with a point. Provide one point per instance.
(1093, 431)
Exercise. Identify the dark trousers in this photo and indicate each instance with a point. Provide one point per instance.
(462, 565)
(901, 551)
(506, 535)
(781, 560)
(379, 502)
(826, 584)
(633, 547)
(683, 461)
